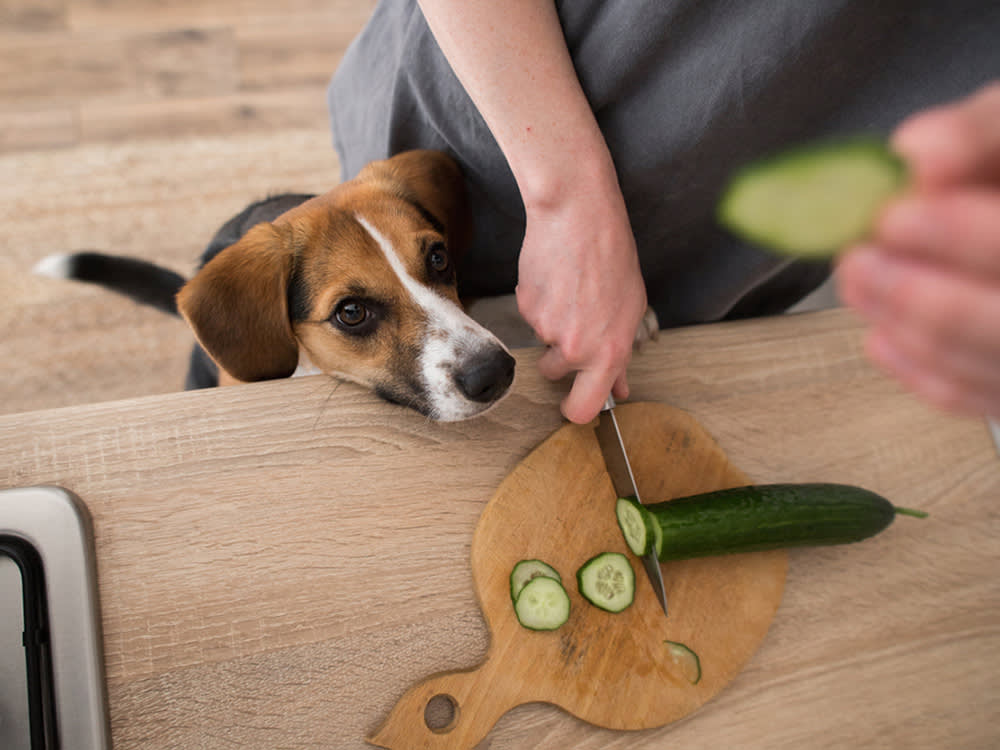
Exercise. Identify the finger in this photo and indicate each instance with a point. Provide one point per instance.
(954, 311)
(971, 370)
(955, 143)
(959, 229)
(620, 389)
(553, 365)
(936, 381)
(587, 396)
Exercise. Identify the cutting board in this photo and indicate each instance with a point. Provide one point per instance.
(612, 670)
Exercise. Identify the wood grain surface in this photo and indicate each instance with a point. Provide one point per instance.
(139, 127)
(279, 562)
(611, 670)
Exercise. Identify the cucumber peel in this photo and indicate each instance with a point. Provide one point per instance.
(771, 516)
(814, 200)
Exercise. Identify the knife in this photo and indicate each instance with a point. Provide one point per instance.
(995, 429)
(609, 437)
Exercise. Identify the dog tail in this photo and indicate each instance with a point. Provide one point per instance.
(140, 280)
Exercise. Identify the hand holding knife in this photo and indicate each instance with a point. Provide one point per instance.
(620, 470)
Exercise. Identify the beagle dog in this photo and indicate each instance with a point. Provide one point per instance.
(358, 283)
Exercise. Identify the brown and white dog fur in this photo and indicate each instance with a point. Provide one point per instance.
(358, 283)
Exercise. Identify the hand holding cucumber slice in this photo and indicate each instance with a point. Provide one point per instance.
(813, 201)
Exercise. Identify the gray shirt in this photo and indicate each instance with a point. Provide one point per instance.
(685, 91)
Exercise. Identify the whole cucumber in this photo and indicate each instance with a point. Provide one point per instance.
(770, 516)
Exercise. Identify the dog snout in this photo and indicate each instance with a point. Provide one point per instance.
(487, 377)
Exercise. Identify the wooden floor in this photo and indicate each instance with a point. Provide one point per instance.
(139, 126)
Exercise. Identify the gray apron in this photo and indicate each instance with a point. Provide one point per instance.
(685, 91)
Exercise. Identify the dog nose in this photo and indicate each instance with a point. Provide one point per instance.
(488, 377)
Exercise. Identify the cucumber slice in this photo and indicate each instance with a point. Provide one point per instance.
(812, 201)
(637, 526)
(686, 660)
(525, 571)
(657, 534)
(607, 581)
(543, 604)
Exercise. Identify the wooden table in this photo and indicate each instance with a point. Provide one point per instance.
(279, 562)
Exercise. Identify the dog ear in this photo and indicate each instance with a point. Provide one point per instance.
(433, 182)
(237, 305)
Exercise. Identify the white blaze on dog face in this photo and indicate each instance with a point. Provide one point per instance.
(374, 301)
(453, 350)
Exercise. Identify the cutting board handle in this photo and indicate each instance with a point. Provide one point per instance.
(477, 698)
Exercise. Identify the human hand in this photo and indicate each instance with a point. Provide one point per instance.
(581, 289)
(929, 280)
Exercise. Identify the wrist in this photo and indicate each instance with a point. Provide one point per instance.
(551, 179)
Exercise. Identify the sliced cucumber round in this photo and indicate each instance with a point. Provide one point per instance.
(543, 604)
(607, 581)
(686, 660)
(637, 526)
(525, 571)
(812, 201)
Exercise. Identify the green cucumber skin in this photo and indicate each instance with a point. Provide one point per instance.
(767, 517)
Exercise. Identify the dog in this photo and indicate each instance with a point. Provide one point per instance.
(357, 283)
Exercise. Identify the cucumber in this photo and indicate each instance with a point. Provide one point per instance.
(771, 516)
(543, 604)
(525, 571)
(657, 535)
(813, 200)
(607, 581)
(636, 524)
(686, 660)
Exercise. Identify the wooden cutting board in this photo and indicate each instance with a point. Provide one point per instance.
(612, 670)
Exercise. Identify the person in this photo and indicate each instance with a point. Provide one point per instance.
(596, 136)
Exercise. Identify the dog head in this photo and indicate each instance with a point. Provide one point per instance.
(358, 283)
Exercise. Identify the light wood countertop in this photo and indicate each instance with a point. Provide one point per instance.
(279, 562)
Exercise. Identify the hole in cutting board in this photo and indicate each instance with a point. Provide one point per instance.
(441, 713)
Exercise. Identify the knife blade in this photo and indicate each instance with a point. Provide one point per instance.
(609, 437)
(994, 425)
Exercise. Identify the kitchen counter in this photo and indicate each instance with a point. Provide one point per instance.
(279, 562)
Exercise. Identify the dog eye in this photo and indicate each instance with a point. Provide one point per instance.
(351, 313)
(437, 258)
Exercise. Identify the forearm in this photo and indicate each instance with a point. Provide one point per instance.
(579, 282)
(512, 59)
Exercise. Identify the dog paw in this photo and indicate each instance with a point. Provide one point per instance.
(648, 330)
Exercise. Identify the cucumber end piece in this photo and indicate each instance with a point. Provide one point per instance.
(686, 660)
